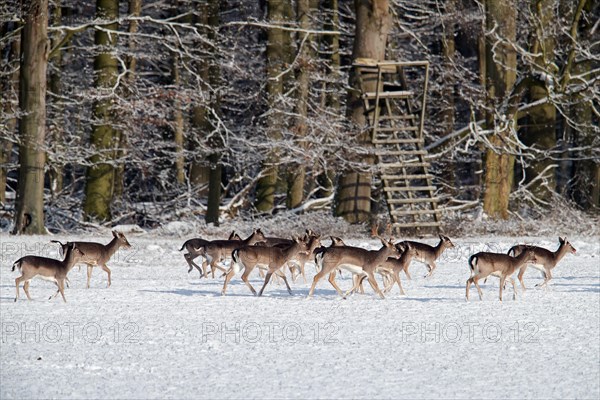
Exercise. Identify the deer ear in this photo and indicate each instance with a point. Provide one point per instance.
(115, 234)
(561, 240)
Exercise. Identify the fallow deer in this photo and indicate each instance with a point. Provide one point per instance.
(546, 259)
(427, 254)
(197, 243)
(218, 250)
(357, 260)
(47, 269)
(484, 264)
(271, 258)
(98, 254)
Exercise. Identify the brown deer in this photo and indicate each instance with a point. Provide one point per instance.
(357, 260)
(98, 254)
(427, 254)
(484, 264)
(546, 259)
(218, 250)
(47, 269)
(197, 243)
(270, 258)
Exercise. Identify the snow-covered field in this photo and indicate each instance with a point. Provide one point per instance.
(158, 332)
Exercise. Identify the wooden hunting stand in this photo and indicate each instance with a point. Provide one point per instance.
(395, 113)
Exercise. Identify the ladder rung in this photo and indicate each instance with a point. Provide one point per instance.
(414, 224)
(395, 128)
(408, 189)
(394, 117)
(400, 94)
(400, 152)
(414, 201)
(397, 141)
(403, 165)
(414, 212)
(412, 176)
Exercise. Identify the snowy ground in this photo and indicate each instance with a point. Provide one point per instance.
(158, 332)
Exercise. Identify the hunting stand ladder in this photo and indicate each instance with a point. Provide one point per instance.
(395, 113)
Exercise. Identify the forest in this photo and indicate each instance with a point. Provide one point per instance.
(145, 112)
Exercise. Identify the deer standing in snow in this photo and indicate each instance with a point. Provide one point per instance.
(48, 269)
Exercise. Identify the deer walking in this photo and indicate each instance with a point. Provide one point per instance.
(271, 258)
(48, 269)
(194, 248)
(427, 254)
(98, 254)
(218, 250)
(484, 264)
(357, 260)
(546, 259)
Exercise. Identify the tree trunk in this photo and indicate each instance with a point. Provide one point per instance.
(10, 84)
(134, 9)
(214, 159)
(541, 120)
(276, 56)
(29, 218)
(100, 176)
(296, 177)
(327, 177)
(373, 23)
(55, 170)
(178, 122)
(448, 50)
(501, 64)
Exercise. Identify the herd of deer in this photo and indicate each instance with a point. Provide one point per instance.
(271, 254)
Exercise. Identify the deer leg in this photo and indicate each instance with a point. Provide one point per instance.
(356, 282)
(469, 281)
(397, 277)
(280, 273)
(26, 289)
(511, 280)
(316, 279)
(89, 274)
(359, 283)
(267, 279)
(431, 267)
(105, 268)
(190, 260)
(475, 281)
(227, 279)
(547, 278)
(374, 284)
(502, 281)
(335, 286)
(61, 288)
(406, 272)
(520, 277)
(57, 291)
(247, 271)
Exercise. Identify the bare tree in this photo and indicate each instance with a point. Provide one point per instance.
(373, 23)
(29, 218)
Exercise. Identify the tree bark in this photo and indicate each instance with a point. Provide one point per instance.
(373, 23)
(276, 56)
(327, 177)
(296, 177)
(214, 159)
(10, 84)
(29, 218)
(541, 121)
(55, 170)
(99, 190)
(501, 64)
